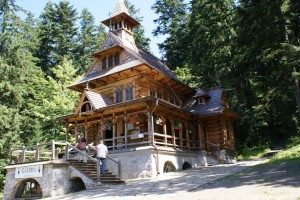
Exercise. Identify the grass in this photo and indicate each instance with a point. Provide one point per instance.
(254, 152)
(289, 154)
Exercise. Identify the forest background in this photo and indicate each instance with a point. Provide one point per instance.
(251, 48)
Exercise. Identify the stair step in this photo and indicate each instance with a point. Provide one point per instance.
(90, 170)
(113, 182)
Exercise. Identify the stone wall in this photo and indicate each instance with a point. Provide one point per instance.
(149, 161)
(55, 180)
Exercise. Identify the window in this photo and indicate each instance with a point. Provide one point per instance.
(104, 63)
(110, 61)
(172, 100)
(159, 94)
(117, 59)
(119, 95)
(201, 101)
(129, 92)
(152, 92)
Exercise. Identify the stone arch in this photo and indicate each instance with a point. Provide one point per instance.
(186, 165)
(169, 167)
(28, 188)
(77, 184)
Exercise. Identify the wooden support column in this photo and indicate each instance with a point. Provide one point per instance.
(165, 130)
(76, 132)
(180, 137)
(86, 126)
(200, 132)
(68, 128)
(187, 135)
(125, 128)
(114, 131)
(149, 127)
(152, 129)
(173, 132)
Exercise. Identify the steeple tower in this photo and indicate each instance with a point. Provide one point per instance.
(121, 24)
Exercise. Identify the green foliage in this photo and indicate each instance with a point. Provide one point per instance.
(139, 33)
(57, 34)
(254, 58)
(253, 152)
(291, 153)
(186, 76)
(90, 40)
(172, 22)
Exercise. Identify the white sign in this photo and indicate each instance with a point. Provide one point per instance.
(137, 136)
(29, 171)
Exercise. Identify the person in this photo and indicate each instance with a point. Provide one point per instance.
(101, 155)
(81, 145)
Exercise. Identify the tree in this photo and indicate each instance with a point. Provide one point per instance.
(7, 13)
(61, 101)
(90, 40)
(211, 35)
(139, 32)
(264, 86)
(57, 33)
(172, 23)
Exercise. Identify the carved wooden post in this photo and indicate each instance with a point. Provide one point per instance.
(165, 131)
(173, 133)
(67, 132)
(53, 150)
(200, 133)
(76, 132)
(180, 136)
(114, 130)
(187, 135)
(37, 152)
(152, 128)
(67, 151)
(10, 155)
(149, 127)
(126, 128)
(23, 154)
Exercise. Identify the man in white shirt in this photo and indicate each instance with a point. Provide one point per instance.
(101, 156)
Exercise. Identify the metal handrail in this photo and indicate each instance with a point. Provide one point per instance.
(117, 162)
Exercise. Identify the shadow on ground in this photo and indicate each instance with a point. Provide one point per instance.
(279, 174)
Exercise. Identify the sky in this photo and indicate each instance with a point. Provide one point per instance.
(100, 9)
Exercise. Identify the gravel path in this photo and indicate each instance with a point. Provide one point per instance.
(280, 182)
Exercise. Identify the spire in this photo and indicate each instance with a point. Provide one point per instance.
(120, 8)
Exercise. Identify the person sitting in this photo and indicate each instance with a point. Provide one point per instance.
(81, 145)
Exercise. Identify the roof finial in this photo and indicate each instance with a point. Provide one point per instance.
(120, 8)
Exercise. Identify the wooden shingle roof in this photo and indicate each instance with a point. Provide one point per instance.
(212, 106)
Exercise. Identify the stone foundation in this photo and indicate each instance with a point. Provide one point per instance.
(141, 162)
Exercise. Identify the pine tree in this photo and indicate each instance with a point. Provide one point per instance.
(212, 34)
(172, 22)
(90, 40)
(57, 33)
(139, 33)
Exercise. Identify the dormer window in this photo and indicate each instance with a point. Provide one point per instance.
(159, 94)
(201, 101)
(104, 63)
(152, 92)
(110, 61)
(117, 59)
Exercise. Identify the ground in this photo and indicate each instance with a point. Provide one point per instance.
(238, 181)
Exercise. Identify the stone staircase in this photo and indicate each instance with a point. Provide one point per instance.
(89, 169)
